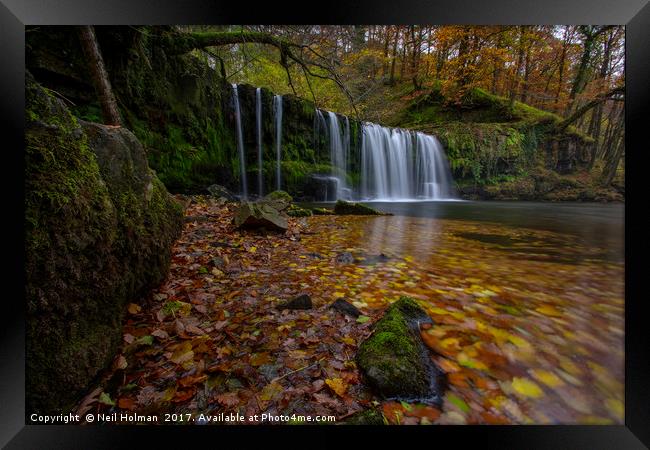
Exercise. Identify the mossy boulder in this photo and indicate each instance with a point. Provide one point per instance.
(394, 360)
(279, 200)
(99, 227)
(343, 208)
(259, 216)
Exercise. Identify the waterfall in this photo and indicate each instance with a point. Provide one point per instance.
(258, 119)
(402, 165)
(339, 146)
(277, 113)
(240, 142)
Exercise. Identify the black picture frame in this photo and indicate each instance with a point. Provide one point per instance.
(15, 14)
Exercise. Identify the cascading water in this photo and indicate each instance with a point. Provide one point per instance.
(277, 113)
(399, 164)
(258, 119)
(339, 147)
(240, 142)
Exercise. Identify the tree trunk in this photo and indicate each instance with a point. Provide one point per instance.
(392, 63)
(99, 75)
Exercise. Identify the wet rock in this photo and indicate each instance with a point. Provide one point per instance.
(345, 307)
(297, 211)
(372, 259)
(395, 361)
(322, 212)
(343, 208)
(301, 302)
(367, 417)
(345, 258)
(278, 200)
(258, 216)
(218, 191)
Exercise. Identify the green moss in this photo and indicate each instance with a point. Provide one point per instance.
(391, 358)
(91, 245)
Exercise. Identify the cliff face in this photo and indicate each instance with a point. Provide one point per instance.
(99, 228)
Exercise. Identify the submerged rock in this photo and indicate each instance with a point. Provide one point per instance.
(343, 208)
(258, 216)
(345, 307)
(301, 302)
(218, 191)
(395, 361)
(345, 258)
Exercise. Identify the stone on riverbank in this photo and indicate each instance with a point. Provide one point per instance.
(259, 215)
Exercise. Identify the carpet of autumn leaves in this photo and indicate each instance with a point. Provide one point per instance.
(528, 324)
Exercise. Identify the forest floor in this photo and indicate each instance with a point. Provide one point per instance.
(212, 339)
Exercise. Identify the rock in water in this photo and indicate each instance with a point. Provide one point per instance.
(218, 191)
(301, 302)
(345, 258)
(297, 211)
(343, 208)
(395, 361)
(259, 215)
(345, 307)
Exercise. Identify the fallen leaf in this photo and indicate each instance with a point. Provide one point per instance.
(337, 385)
(526, 387)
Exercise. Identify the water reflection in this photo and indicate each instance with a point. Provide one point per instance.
(529, 319)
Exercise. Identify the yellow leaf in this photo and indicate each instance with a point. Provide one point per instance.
(133, 308)
(348, 340)
(271, 391)
(616, 406)
(546, 377)
(337, 385)
(526, 387)
(183, 353)
(548, 310)
(252, 249)
(216, 272)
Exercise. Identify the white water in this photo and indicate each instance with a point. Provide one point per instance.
(277, 113)
(258, 119)
(398, 165)
(240, 142)
(339, 148)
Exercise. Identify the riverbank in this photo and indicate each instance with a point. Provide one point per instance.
(505, 312)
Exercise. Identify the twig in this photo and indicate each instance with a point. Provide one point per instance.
(297, 370)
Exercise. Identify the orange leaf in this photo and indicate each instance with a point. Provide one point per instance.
(126, 403)
(337, 385)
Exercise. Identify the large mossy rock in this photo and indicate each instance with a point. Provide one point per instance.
(344, 208)
(99, 227)
(259, 216)
(394, 360)
(279, 200)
